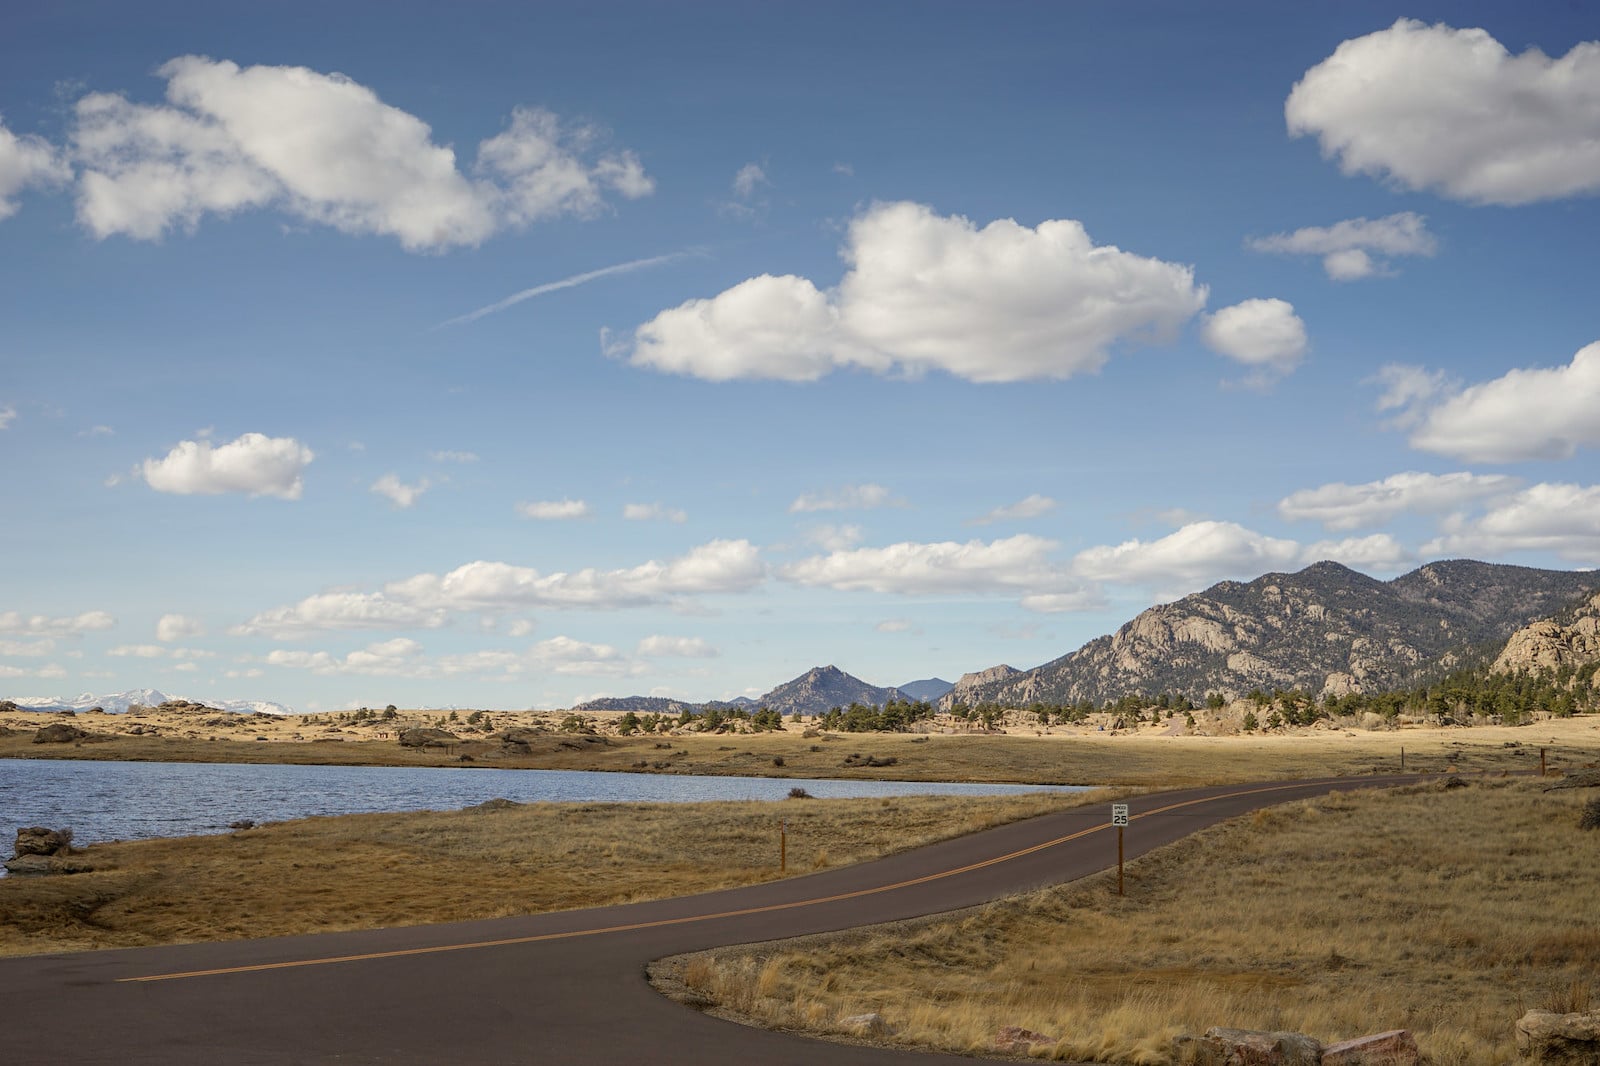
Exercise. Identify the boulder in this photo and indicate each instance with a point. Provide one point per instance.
(1394, 1048)
(58, 733)
(1552, 1039)
(1016, 1038)
(872, 1025)
(1247, 1047)
(427, 738)
(47, 864)
(37, 840)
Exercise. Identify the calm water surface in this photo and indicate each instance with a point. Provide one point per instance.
(133, 800)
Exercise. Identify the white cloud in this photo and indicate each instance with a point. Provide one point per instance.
(453, 457)
(1348, 247)
(1559, 518)
(1539, 413)
(649, 512)
(522, 627)
(43, 625)
(894, 625)
(657, 647)
(1339, 506)
(834, 538)
(26, 161)
(397, 492)
(1028, 507)
(928, 292)
(749, 178)
(1265, 335)
(553, 510)
(177, 626)
(24, 649)
(1433, 107)
(8, 414)
(1084, 599)
(1407, 390)
(402, 657)
(50, 671)
(158, 651)
(1380, 552)
(325, 149)
(910, 568)
(865, 497)
(718, 566)
(1195, 556)
(254, 464)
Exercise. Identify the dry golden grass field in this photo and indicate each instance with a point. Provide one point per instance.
(1150, 755)
(1446, 911)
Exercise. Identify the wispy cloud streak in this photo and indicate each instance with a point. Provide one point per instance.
(565, 283)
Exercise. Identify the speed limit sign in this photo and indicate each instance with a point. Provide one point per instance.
(1119, 814)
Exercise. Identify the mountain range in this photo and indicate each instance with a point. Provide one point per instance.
(119, 702)
(1326, 628)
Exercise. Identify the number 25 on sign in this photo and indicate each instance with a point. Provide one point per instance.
(1119, 818)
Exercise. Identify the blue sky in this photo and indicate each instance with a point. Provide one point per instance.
(512, 355)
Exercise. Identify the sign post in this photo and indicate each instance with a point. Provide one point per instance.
(1119, 818)
(783, 846)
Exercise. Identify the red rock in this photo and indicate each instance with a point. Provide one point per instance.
(1394, 1048)
(1246, 1047)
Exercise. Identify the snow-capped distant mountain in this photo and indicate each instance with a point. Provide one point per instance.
(119, 702)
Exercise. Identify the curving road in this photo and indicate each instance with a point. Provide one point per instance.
(567, 987)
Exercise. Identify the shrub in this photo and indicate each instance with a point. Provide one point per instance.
(799, 794)
(1591, 815)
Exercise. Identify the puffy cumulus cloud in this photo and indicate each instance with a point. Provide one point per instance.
(718, 566)
(406, 658)
(911, 568)
(748, 183)
(1357, 247)
(397, 492)
(553, 510)
(1265, 335)
(26, 161)
(749, 178)
(1380, 552)
(1538, 413)
(924, 292)
(1031, 506)
(1192, 557)
(1433, 107)
(1559, 518)
(15, 622)
(8, 415)
(325, 149)
(652, 512)
(1084, 599)
(1339, 506)
(659, 647)
(340, 611)
(173, 627)
(865, 497)
(254, 464)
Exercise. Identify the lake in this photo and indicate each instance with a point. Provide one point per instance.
(134, 800)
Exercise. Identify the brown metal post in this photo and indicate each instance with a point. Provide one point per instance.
(1119, 860)
(1541, 762)
(783, 846)
(1402, 760)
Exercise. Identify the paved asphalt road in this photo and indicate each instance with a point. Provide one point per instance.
(548, 988)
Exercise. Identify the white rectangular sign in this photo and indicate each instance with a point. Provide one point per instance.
(1119, 814)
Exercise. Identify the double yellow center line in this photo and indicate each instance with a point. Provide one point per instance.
(687, 919)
